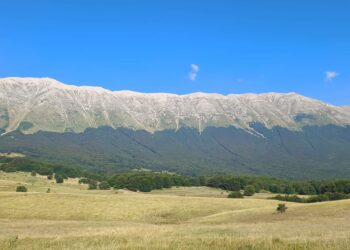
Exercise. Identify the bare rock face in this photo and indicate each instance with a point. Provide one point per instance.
(44, 104)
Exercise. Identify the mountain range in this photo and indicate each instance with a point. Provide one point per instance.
(284, 135)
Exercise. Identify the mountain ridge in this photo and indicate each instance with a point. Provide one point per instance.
(274, 134)
(76, 108)
(24, 80)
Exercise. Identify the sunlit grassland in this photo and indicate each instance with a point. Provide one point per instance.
(72, 217)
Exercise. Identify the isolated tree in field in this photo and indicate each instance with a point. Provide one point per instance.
(281, 208)
(21, 189)
(59, 178)
(249, 190)
(49, 177)
(235, 194)
(33, 173)
(104, 185)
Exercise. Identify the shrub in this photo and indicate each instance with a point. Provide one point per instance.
(59, 178)
(235, 194)
(33, 173)
(291, 198)
(317, 198)
(281, 208)
(312, 199)
(104, 185)
(50, 177)
(249, 190)
(92, 185)
(337, 196)
(21, 189)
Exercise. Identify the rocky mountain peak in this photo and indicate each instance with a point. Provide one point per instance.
(45, 104)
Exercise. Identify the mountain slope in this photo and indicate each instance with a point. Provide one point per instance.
(314, 152)
(284, 135)
(43, 104)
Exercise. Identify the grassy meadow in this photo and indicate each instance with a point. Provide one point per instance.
(72, 217)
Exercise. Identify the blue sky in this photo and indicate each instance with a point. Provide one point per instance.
(182, 46)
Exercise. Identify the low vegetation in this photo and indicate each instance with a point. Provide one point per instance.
(235, 194)
(146, 181)
(249, 190)
(315, 198)
(21, 189)
(73, 217)
(281, 208)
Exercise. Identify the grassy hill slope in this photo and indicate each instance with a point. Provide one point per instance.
(72, 217)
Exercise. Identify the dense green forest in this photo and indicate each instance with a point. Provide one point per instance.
(27, 165)
(313, 153)
(274, 185)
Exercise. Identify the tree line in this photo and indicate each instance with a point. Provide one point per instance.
(274, 185)
(27, 165)
(146, 181)
(315, 198)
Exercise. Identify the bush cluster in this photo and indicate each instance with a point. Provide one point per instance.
(21, 189)
(315, 198)
(235, 194)
(148, 181)
(236, 183)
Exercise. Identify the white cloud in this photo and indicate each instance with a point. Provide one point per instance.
(330, 75)
(194, 72)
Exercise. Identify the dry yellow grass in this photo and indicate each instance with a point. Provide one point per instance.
(192, 192)
(185, 218)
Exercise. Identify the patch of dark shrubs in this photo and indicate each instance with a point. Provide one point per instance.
(21, 189)
(316, 198)
(59, 178)
(249, 190)
(235, 194)
(148, 181)
(104, 185)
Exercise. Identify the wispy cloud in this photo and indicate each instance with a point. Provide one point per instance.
(194, 72)
(330, 75)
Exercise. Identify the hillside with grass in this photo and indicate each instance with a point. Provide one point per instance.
(72, 217)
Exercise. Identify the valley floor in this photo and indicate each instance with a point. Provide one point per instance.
(72, 217)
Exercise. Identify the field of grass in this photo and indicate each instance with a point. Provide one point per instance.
(72, 217)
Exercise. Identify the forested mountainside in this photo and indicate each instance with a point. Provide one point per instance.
(314, 152)
(284, 135)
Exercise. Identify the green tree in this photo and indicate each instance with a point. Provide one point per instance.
(104, 185)
(289, 189)
(33, 173)
(145, 185)
(59, 178)
(249, 190)
(274, 188)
